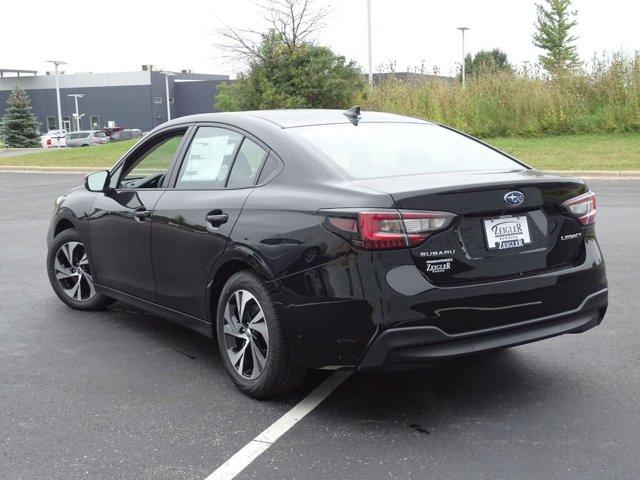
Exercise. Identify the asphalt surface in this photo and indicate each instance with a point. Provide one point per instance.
(122, 394)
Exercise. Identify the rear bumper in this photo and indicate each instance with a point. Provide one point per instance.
(412, 347)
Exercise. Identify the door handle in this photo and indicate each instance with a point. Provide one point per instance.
(217, 218)
(141, 214)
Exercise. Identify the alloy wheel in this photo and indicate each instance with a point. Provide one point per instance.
(246, 335)
(73, 273)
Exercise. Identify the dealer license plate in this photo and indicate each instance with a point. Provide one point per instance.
(507, 232)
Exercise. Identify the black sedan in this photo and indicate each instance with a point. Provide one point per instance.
(328, 239)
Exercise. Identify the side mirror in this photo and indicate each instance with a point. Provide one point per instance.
(96, 181)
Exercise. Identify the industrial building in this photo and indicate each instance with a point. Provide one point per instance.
(127, 99)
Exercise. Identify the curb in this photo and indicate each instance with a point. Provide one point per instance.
(595, 174)
(602, 174)
(31, 169)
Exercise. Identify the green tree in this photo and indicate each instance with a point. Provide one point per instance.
(308, 76)
(19, 126)
(486, 61)
(284, 67)
(553, 35)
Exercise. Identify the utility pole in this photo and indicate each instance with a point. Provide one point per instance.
(166, 86)
(463, 29)
(369, 41)
(76, 96)
(56, 63)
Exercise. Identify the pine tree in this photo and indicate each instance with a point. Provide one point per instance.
(553, 35)
(19, 126)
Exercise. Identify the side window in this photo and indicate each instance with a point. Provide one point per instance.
(209, 158)
(148, 170)
(272, 167)
(247, 165)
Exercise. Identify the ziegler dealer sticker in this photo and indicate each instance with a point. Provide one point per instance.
(439, 266)
(507, 232)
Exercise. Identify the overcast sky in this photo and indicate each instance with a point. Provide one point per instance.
(120, 36)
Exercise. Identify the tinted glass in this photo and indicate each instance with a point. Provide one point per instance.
(247, 165)
(100, 134)
(388, 149)
(272, 167)
(154, 161)
(208, 159)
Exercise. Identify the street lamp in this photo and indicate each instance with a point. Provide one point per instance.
(166, 86)
(56, 63)
(369, 42)
(463, 29)
(77, 115)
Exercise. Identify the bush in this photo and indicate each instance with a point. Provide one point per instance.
(308, 76)
(605, 100)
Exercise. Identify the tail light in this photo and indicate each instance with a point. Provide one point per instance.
(386, 229)
(583, 208)
(48, 141)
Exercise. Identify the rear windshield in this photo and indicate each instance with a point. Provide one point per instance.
(99, 134)
(372, 150)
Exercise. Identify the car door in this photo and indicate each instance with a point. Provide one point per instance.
(120, 223)
(192, 221)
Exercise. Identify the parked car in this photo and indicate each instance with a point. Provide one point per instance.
(317, 238)
(86, 138)
(54, 138)
(126, 134)
(109, 131)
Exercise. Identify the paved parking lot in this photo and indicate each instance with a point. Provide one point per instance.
(123, 394)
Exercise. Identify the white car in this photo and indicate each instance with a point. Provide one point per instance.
(54, 138)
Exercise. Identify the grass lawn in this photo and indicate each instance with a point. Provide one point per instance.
(570, 152)
(575, 152)
(95, 156)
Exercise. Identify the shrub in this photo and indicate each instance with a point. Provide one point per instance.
(503, 103)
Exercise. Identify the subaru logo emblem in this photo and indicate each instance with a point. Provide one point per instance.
(514, 198)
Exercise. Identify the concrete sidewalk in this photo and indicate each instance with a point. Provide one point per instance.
(16, 152)
(587, 174)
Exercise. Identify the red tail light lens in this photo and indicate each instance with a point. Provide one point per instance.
(48, 141)
(583, 208)
(388, 229)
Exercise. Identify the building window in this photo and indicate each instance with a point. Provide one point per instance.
(95, 122)
(157, 99)
(52, 124)
(170, 99)
(66, 124)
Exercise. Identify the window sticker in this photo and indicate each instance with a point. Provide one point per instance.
(205, 158)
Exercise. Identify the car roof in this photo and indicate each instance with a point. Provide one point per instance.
(300, 117)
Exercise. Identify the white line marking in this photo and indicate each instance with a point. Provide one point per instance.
(252, 450)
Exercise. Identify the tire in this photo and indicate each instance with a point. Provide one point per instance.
(280, 373)
(70, 275)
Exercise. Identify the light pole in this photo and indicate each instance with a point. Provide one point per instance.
(369, 42)
(76, 96)
(56, 63)
(166, 86)
(463, 29)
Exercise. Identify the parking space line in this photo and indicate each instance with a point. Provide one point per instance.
(252, 450)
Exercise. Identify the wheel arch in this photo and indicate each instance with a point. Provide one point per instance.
(234, 259)
(63, 223)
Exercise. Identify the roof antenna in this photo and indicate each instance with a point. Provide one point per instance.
(353, 114)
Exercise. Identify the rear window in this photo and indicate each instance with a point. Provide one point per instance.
(372, 150)
(99, 134)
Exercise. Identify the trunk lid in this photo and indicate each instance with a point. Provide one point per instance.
(490, 238)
